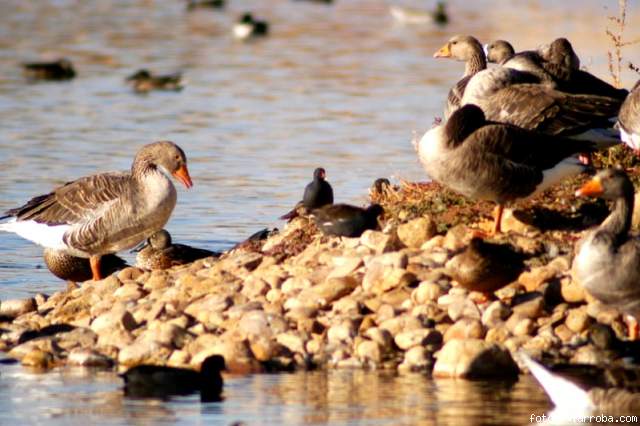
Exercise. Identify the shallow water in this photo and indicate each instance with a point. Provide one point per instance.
(343, 86)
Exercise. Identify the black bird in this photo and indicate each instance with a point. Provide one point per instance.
(317, 193)
(248, 27)
(78, 269)
(158, 252)
(144, 81)
(345, 220)
(62, 69)
(155, 381)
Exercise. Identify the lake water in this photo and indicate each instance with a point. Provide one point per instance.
(341, 86)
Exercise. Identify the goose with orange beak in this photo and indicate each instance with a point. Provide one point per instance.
(607, 258)
(108, 212)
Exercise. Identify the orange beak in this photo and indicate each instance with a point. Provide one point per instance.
(444, 52)
(182, 174)
(593, 188)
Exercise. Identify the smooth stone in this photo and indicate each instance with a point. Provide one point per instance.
(401, 323)
(416, 232)
(143, 352)
(264, 349)
(427, 291)
(416, 358)
(457, 237)
(130, 273)
(330, 290)
(38, 359)
(254, 287)
(86, 357)
(474, 358)
(465, 328)
(13, 308)
(495, 314)
(578, 320)
(602, 313)
(381, 336)
(497, 335)
(532, 307)
(379, 241)
(342, 332)
(293, 341)
(369, 351)
(563, 333)
(418, 337)
(119, 317)
(524, 327)
(344, 266)
(571, 291)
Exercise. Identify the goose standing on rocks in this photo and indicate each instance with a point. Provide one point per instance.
(158, 252)
(317, 193)
(345, 220)
(494, 161)
(462, 48)
(78, 269)
(629, 119)
(107, 212)
(158, 381)
(62, 69)
(607, 258)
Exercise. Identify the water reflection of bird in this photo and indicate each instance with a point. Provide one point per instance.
(316, 194)
(573, 402)
(485, 267)
(62, 69)
(144, 81)
(154, 381)
(346, 220)
(248, 27)
(78, 269)
(607, 258)
(158, 252)
(462, 48)
(107, 212)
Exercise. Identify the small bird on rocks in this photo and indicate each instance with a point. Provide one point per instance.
(345, 220)
(156, 381)
(158, 252)
(317, 193)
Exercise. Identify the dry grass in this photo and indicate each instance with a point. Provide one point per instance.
(615, 34)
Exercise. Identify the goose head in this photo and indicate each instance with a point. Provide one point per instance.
(560, 51)
(609, 184)
(165, 155)
(461, 48)
(498, 51)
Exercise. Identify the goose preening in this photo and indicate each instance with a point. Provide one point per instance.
(497, 162)
(155, 381)
(78, 269)
(571, 401)
(345, 220)
(462, 48)
(607, 258)
(484, 266)
(248, 27)
(498, 52)
(107, 212)
(629, 119)
(144, 81)
(158, 252)
(317, 193)
(62, 69)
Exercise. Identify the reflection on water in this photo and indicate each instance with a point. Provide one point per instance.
(342, 86)
(315, 398)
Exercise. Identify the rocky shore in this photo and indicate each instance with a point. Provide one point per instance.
(301, 300)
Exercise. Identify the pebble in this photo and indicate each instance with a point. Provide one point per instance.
(416, 232)
(13, 308)
(473, 359)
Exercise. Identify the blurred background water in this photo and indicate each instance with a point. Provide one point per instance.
(342, 86)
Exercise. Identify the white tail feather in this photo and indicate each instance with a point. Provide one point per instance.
(39, 233)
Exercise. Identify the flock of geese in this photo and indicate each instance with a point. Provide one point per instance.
(515, 129)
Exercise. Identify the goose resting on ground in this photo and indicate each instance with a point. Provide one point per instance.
(158, 252)
(607, 258)
(317, 193)
(462, 48)
(629, 119)
(497, 162)
(108, 212)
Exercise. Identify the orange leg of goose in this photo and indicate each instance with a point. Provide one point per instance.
(632, 325)
(94, 261)
(498, 219)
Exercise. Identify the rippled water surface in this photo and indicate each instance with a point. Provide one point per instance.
(342, 86)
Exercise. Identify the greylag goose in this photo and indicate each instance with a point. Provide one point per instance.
(158, 252)
(159, 381)
(607, 258)
(317, 193)
(78, 269)
(143, 81)
(509, 96)
(108, 212)
(573, 402)
(484, 266)
(493, 161)
(345, 220)
(62, 69)
(498, 52)
(462, 48)
(408, 15)
(629, 119)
